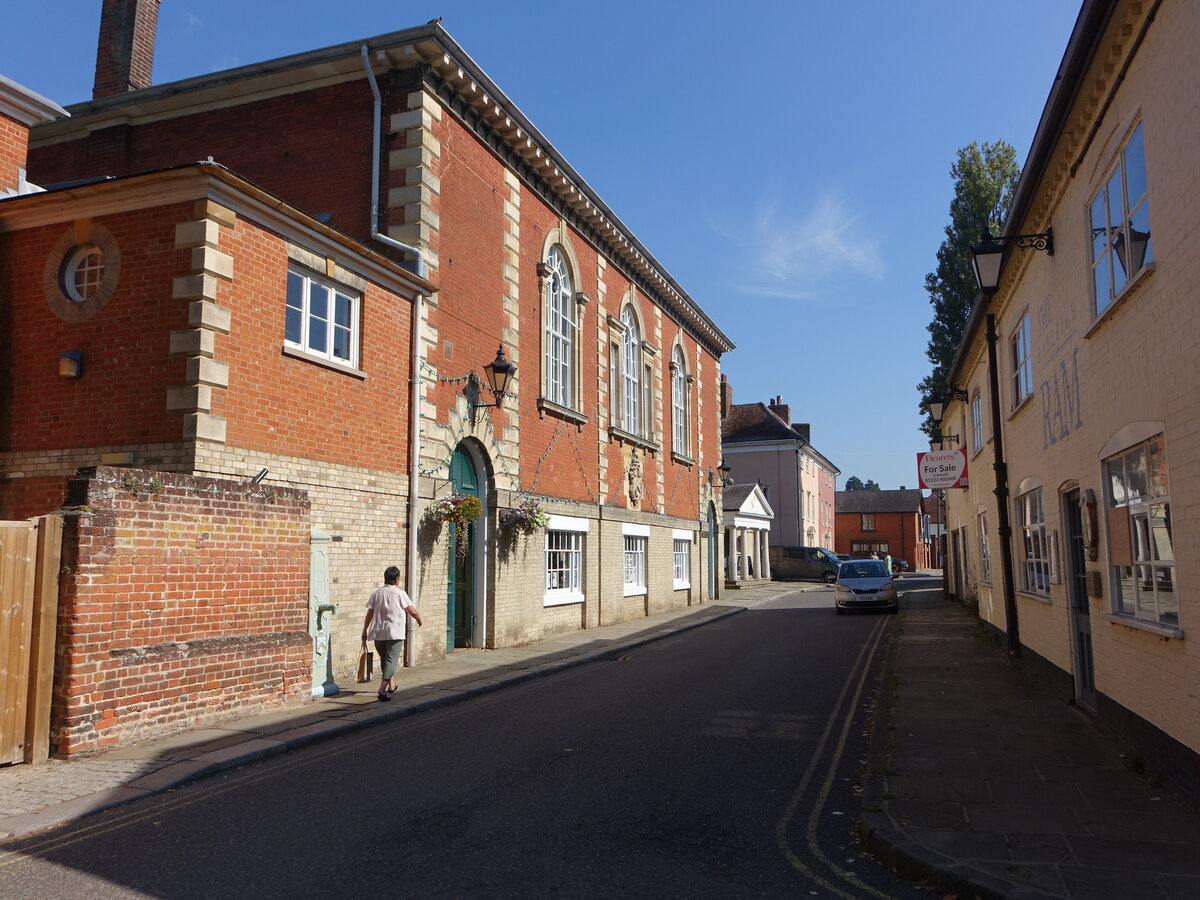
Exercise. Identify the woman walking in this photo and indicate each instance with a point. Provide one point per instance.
(385, 626)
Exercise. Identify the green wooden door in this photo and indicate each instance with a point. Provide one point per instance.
(460, 590)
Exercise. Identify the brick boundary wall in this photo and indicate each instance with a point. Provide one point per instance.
(182, 600)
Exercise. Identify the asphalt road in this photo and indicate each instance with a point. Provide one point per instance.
(719, 763)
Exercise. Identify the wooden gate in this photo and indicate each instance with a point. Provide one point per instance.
(29, 559)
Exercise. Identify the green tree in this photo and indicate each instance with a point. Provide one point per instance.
(985, 179)
(854, 483)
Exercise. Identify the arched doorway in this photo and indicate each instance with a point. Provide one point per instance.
(466, 581)
(712, 552)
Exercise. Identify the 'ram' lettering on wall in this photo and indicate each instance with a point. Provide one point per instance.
(1062, 406)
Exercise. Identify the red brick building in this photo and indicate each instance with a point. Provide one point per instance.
(308, 308)
(888, 522)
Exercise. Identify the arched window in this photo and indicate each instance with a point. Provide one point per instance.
(631, 373)
(560, 330)
(679, 403)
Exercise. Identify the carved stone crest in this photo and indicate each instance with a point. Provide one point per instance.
(636, 483)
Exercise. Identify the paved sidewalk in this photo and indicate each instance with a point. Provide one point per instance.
(984, 782)
(33, 798)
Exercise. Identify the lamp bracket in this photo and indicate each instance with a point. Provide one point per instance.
(471, 390)
(957, 393)
(1041, 241)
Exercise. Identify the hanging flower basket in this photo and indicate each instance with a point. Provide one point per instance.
(526, 518)
(460, 510)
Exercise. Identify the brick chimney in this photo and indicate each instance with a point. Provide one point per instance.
(125, 54)
(805, 430)
(781, 409)
(726, 397)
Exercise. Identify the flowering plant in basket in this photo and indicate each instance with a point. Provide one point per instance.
(460, 510)
(526, 518)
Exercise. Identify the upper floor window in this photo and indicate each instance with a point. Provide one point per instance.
(1022, 369)
(679, 403)
(868, 522)
(322, 318)
(83, 273)
(977, 422)
(631, 373)
(1120, 223)
(561, 328)
(1140, 534)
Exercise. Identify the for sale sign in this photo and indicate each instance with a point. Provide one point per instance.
(938, 469)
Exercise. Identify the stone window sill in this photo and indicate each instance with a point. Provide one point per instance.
(563, 412)
(1167, 631)
(321, 361)
(622, 435)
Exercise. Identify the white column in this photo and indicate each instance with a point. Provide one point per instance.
(745, 554)
(766, 555)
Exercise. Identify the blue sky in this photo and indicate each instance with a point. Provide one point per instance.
(786, 161)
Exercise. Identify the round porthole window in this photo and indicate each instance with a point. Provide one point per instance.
(82, 272)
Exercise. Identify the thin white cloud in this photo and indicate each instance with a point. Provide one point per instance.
(192, 21)
(795, 254)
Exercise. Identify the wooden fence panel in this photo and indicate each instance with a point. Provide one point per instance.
(17, 555)
(42, 638)
(29, 559)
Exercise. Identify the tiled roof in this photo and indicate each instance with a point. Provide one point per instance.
(878, 501)
(735, 495)
(754, 422)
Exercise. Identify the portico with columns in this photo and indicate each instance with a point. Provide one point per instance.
(748, 518)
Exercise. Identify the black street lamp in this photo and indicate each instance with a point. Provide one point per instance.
(987, 259)
(499, 373)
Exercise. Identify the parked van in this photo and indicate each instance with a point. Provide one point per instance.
(810, 563)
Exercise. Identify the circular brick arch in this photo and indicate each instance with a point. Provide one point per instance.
(64, 306)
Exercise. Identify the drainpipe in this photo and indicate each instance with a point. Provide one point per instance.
(414, 379)
(1004, 529)
(376, 118)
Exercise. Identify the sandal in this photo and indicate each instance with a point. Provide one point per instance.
(383, 696)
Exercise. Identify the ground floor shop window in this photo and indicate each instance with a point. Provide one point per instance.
(1031, 525)
(1141, 545)
(564, 567)
(683, 563)
(985, 559)
(859, 549)
(635, 565)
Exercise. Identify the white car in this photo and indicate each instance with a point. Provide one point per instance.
(865, 584)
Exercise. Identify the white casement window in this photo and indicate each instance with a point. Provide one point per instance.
(977, 422)
(1031, 524)
(683, 563)
(635, 564)
(1140, 534)
(985, 558)
(1022, 368)
(868, 522)
(561, 328)
(1120, 224)
(631, 374)
(564, 560)
(679, 403)
(564, 567)
(322, 318)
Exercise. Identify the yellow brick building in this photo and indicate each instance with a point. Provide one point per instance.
(1097, 361)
